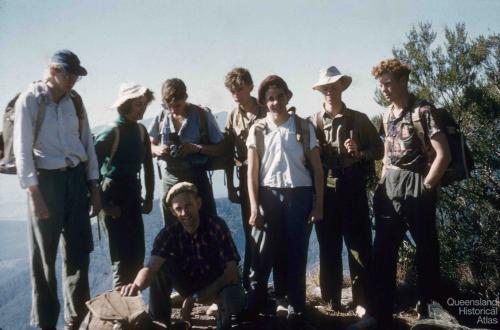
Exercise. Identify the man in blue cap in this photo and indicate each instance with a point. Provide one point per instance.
(57, 166)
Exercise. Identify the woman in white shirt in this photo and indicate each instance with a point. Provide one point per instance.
(286, 180)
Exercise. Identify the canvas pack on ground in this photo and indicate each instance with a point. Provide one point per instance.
(112, 311)
(302, 134)
(40, 115)
(462, 162)
(367, 166)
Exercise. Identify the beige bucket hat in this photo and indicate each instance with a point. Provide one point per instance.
(127, 91)
(331, 76)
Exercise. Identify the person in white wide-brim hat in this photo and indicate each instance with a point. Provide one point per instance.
(349, 144)
(122, 149)
(330, 76)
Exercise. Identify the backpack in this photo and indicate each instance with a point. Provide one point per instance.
(111, 311)
(367, 166)
(40, 115)
(302, 134)
(116, 140)
(104, 181)
(462, 162)
(7, 158)
(213, 163)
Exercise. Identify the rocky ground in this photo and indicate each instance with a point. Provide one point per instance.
(319, 316)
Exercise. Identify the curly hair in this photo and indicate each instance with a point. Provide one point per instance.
(395, 67)
(237, 78)
(173, 90)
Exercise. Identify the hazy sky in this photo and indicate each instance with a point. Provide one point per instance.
(199, 41)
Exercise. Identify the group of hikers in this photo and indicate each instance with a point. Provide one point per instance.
(292, 173)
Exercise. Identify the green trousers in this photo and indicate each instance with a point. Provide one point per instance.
(126, 233)
(66, 196)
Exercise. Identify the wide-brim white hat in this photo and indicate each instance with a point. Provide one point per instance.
(332, 75)
(127, 91)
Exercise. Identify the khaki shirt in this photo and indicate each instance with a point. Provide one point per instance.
(336, 131)
(237, 126)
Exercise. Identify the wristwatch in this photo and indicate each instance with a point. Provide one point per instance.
(199, 146)
(427, 186)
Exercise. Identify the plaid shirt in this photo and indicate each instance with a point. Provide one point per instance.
(404, 148)
(202, 255)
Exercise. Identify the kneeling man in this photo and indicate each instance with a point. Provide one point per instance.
(197, 257)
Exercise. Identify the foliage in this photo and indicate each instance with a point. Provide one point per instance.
(462, 74)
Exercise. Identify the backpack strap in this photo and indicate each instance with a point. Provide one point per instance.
(303, 137)
(163, 117)
(142, 132)
(203, 125)
(320, 128)
(78, 103)
(114, 146)
(417, 125)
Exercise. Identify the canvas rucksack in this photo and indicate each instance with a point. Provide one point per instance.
(112, 311)
(40, 115)
(7, 159)
(302, 135)
(367, 166)
(462, 162)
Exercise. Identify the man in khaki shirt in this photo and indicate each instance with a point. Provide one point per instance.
(349, 143)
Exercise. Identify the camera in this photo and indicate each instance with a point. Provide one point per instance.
(174, 144)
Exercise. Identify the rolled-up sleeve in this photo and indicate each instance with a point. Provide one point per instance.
(23, 140)
(251, 140)
(154, 128)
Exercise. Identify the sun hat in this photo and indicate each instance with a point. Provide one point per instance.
(69, 62)
(127, 91)
(272, 80)
(331, 76)
(179, 188)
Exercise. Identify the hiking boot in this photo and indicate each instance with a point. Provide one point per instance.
(212, 310)
(281, 307)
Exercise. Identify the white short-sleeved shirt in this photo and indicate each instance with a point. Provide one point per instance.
(282, 164)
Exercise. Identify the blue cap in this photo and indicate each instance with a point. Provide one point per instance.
(69, 61)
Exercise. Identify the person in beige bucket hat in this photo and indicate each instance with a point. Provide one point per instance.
(127, 91)
(349, 144)
(123, 148)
